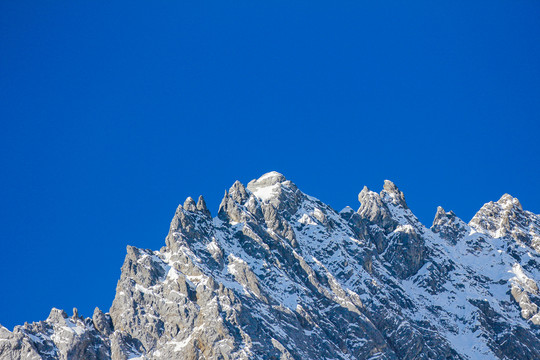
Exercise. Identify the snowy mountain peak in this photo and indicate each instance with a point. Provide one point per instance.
(507, 219)
(280, 275)
(189, 204)
(440, 214)
(347, 210)
(391, 192)
(269, 186)
(201, 206)
(238, 192)
(507, 201)
(274, 189)
(442, 217)
(449, 226)
(56, 316)
(270, 178)
(374, 210)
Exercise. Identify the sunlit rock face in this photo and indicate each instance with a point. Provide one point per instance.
(277, 274)
(506, 218)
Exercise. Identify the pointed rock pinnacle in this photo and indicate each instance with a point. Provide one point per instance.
(201, 206)
(190, 205)
(395, 194)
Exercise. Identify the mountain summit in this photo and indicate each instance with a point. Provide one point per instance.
(278, 274)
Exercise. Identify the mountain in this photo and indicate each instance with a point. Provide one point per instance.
(278, 274)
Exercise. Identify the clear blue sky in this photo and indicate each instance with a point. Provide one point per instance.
(112, 114)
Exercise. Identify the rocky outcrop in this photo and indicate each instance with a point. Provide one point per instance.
(102, 322)
(375, 211)
(278, 274)
(449, 226)
(506, 218)
(394, 230)
(58, 337)
(405, 252)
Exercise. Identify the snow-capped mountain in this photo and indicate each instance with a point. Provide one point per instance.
(278, 274)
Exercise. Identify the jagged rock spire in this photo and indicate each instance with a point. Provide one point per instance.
(373, 209)
(102, 322)
(238, 192)
(201, 206)
(368, 284)
(442, 218)
(391, 191)
(506, 218)
(400, 242)
(439, 214)
(507, 201)
(270, 198)
(190, 205)
(190, 221)
(449, 226)
(229, 209)
(57, 316)
(274, 189)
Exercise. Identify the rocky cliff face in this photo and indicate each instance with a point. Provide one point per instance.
(278, 274)
(506, 218)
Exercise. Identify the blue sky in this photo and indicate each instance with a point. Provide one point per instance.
(112, 114)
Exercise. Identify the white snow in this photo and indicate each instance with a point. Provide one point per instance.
(271, 174)
(332, 257)
(265, 193)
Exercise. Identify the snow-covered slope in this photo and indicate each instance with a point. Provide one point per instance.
(278, 274)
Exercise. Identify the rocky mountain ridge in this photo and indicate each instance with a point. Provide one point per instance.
(278, 274)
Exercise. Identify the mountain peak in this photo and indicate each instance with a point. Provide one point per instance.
(57, 315)
(268, 186)
(278, 271)
(391, 192)
(269, 179)
(389, 185)
(201, 206)
(189, 204)
(238, 192)
(448, 225)
(440, 213)
(506, 218)
(373, 209)
(507, 201)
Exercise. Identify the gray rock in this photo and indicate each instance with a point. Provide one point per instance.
(238, 193)
(102, 322)
(391, 191)
(449, 226)
(124, 347)
(406, 252)
(506, 218)
(57, 316)
(59, 337)
(201, 206)
(374, 210)
(280, 275)
(189, 205)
